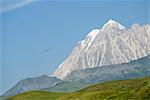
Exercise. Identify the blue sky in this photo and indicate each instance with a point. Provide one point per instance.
(29, 29)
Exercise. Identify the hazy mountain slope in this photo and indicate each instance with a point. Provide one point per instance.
(29, 84)
(135, 89)
(136, 68)
(46, 83)
(112, 44)
(65, 87)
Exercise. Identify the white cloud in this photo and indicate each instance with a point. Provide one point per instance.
(7, 5)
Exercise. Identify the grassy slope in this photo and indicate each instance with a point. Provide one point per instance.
(1, 98)
(37, 95)
(135, 89)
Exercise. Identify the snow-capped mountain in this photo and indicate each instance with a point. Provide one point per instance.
(112, 44)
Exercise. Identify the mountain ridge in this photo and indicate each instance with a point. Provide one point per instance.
(112, 44)
(133, 69)
(36, 83)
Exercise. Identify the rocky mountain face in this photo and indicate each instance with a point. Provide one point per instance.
(133, 69)
(112, 44)
(29, 84)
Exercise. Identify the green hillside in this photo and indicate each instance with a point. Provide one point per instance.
(1, 98)
(134, 89)
(37, 95)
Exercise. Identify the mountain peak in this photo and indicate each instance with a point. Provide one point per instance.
(113, 44)
(111, 23)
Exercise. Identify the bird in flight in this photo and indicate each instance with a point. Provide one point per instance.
(46, 50)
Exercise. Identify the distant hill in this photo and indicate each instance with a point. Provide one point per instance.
(44, 82)
(133, 69)
(28, 84)
(65, 87)
(133, 89)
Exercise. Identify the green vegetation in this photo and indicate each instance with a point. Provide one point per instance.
(134, 89)
(37, 95)
(1, 98)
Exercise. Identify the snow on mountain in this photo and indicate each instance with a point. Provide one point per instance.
(111, 23)
(112, 44)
